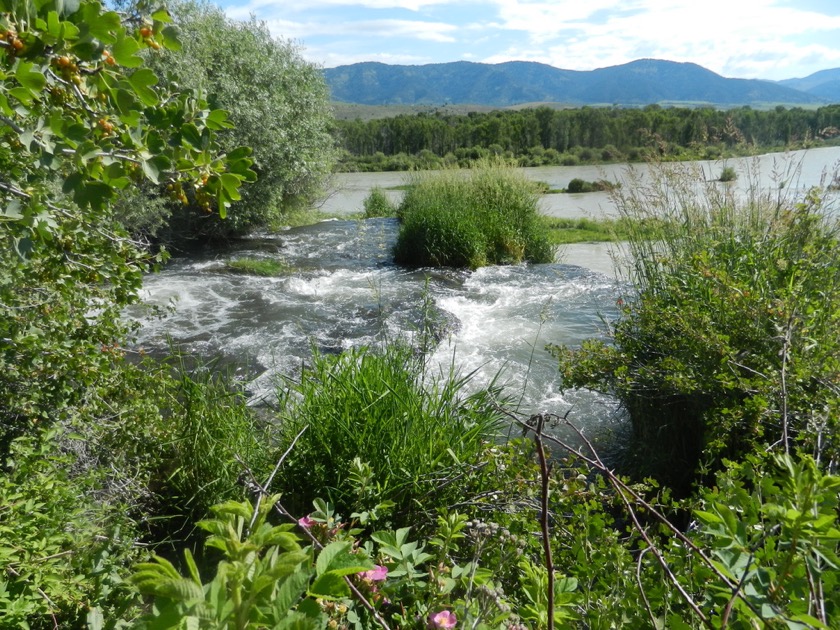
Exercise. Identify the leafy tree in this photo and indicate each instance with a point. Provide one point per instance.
(83, 119)
(279, 105)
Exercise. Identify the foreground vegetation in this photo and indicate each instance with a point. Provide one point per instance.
(542, 136)
(149, 494)
(730, 341)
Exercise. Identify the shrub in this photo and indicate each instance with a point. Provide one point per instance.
(63, 552)
(278, 104)
(487, 215)
(727, 342)
(377, 204)
(407, 431)
(728, 174)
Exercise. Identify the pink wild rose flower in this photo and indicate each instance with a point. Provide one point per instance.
(306, 522)
(443, 619)
(376, 574)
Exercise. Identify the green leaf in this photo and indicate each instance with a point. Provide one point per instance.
(218, 119)
(170, 39)
(327, 554)
(141, 81)
(336, 558)
(231, 183)
(4, 105)
(22, 94)
(162, 15)
(53, 24)
(95, 619)
(329, 586)
(124, 52)
(191, 135)
(93, 194)
(239, 153)
(290, 592)
(101, 25)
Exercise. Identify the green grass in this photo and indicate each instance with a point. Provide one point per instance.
(267, 267)
(468, 218)
(563, 231)
(410, 430)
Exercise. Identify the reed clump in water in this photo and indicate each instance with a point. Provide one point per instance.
(727, 342)
(471, 218)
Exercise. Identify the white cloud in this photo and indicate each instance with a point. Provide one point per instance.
(300, 6)
(748, 38)
(424, 31)
(735, 38)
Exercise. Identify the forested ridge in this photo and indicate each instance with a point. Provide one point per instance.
(542, 135)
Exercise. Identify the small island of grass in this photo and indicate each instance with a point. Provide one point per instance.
(266, 267)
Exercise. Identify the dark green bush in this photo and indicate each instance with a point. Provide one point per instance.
(473, 218)
(728, 342)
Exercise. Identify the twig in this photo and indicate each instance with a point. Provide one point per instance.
(642, 588)
(268, 481)
(623, 491)
(727, 610)
(545, 476)
(14, 573)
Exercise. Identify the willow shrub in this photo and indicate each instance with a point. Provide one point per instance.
(471, 218)
(408, 432)
(727, 341)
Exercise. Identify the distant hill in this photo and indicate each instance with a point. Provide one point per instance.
(824, 84)
(642, 82)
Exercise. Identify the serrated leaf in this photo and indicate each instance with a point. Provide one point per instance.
(142, 80)
(237, 508)
(218, 119)
(124, 51)
(329, 586)
(291, 590)
(328, 553)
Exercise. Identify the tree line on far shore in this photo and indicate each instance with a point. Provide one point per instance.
(545, 136)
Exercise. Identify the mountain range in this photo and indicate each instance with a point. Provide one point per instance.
(641, 82)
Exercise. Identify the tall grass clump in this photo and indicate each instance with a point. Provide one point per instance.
(377, 204)
(471, 218)
(379, 429)
(210, 433)
(727, 342)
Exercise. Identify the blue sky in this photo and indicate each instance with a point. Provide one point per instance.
(765, 39)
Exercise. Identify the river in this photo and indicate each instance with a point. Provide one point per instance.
(343, 290)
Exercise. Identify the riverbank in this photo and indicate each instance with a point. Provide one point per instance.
(792, 172)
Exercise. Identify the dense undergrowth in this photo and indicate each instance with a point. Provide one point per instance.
(729, 340)
(378, 494)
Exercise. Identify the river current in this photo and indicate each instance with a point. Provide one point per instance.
(343, 290)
